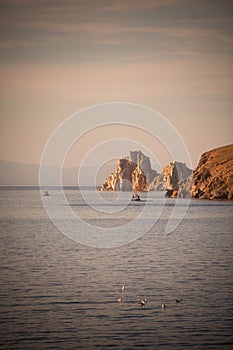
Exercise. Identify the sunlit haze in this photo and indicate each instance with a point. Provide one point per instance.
(58, 57)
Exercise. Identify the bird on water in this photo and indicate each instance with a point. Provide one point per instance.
(143, 301)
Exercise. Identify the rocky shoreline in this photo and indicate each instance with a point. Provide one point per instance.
(212, 178)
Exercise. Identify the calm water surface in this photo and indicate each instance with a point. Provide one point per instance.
(58, 294)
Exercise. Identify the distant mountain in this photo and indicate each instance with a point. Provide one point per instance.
(17, 174)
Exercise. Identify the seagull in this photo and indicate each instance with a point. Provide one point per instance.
(119, 300)
(163, 307)
(123, 288)
(143, 301)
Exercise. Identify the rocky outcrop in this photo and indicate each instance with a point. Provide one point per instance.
(132, 173)
(212, 179)
(143, 162)
(139, 182)
(127, 177)
(171, 176)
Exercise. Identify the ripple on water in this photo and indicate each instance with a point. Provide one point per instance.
(56, 294)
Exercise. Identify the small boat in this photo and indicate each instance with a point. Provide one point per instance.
(135, 197)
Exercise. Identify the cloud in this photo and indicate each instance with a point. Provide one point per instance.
(177, 78)
(167, 17)
(113, 41)
(68, 32)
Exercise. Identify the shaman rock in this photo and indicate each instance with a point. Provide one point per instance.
(127, 177)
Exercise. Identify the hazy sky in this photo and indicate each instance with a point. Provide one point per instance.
(57, 57)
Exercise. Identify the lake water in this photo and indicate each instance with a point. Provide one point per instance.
(59, 294)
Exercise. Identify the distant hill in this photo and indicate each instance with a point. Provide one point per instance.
(17, 174)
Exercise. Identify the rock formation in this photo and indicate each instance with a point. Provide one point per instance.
(127, 177)
(132, 173)
(143, 162)
(170, 177)
(212, 179)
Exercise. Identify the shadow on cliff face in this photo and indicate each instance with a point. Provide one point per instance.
(128, 176)
(212, 178)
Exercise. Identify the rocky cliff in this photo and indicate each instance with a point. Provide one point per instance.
(143, 162)
(135, 173)
(212, 179)
(170, 177)
(128, 176)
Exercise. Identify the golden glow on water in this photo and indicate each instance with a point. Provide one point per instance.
(58, 294)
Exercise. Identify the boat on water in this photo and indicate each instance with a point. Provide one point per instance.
(136, 197)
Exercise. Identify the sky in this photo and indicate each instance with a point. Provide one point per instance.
(58, 57)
